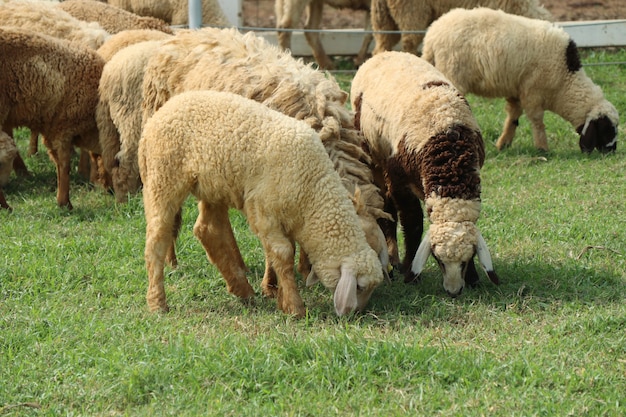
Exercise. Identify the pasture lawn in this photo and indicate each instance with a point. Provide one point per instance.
(76, 338)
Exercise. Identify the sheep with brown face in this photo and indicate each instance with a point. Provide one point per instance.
(531, 63)
(427, 146)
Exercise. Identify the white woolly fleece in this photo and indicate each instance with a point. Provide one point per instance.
(453, 232)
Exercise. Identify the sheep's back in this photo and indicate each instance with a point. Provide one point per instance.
(48, 83)
(398, 96)
(113, 19)
(494, 54)
(233, 148)
(45, 17)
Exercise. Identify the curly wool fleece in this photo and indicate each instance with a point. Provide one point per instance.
(453, 231)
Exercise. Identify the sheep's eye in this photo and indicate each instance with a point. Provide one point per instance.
(359, 288)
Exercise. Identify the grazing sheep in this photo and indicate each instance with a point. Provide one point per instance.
(232, 152)
(44, 17)
(531, 63)
(248, 65)
(129, 37)
(111, 18)
(425, 141)
(289, 12)
(51, 86)
(400, 15)
(174, 12)
(8, 152)
(119, 113)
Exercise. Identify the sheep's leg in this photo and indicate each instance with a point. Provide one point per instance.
(367, 40)
(60, 152)
(33, 144)
(280, 252)
(269, 285)
(3, 201)
(170, 257)
(535, 116)
(19, 166)
(158, 239)
(214, 231)
(288, 15)
(412, 220)
(314, 22)
(381, 21)
(161, 211)
(390, 230)
(513, 110)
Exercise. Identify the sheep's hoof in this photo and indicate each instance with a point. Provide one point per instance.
(411, 278)
(269, 291)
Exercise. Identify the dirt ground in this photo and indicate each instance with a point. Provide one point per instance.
(260, 13)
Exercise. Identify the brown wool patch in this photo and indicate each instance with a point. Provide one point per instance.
(452, 162)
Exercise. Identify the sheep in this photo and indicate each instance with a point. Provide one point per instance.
(289, 12)
(175, 12)
(45, 18)
(8, 152)
(394, 15)
(111, 18)
(121, 40)
(119, 113)
(426, 143)
(51, 86)
(248, 65)
(531, 63)
(223, 148)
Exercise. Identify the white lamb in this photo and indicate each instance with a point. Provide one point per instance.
(531, 63)
(425, 142)
(232, 152)
(415, 16)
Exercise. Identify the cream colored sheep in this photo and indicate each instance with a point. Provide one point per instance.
(289, 13)
(119, 114)
(175, 12)
(111, 18)
(8, 151)
(232, 152)
(401, 15)
(50, 86)
(426, 143)
(531, 63)
(46, 18)
(249, 66)
(129, 37)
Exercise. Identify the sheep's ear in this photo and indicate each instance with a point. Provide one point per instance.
(421, 256)
(312, 278)
(485, 259)
(345, 294)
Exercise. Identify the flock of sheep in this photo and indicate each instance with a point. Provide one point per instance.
(240, 123)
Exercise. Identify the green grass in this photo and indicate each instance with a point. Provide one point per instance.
(76, 337)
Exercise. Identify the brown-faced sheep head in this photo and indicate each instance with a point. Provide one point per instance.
(600, 129)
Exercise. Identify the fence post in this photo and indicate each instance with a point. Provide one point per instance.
(195, 14)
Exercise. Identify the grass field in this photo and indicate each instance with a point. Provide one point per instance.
(76, 338)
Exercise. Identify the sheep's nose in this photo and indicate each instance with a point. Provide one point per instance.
(456, 294)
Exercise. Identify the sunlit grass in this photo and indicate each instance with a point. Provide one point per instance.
(76, 337)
